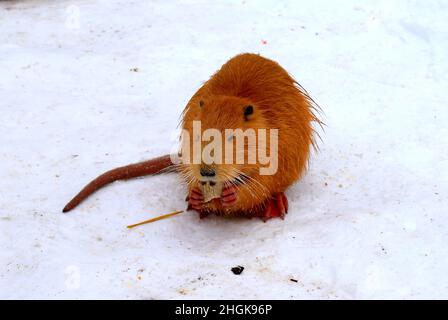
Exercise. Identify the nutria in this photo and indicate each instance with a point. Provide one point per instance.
(248, 92)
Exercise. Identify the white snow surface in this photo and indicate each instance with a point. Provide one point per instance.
(369, 220)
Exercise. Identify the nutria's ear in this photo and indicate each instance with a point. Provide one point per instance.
(248, 110)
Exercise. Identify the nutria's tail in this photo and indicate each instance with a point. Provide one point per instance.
(152, 166)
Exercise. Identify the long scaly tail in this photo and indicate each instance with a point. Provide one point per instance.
(153, 166)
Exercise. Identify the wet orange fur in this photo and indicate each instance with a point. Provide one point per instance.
(278, 102)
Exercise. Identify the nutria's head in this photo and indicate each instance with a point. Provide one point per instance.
(221, 141)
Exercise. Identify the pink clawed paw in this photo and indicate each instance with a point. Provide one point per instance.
(195, 199)
(228, 197)
(276, 207)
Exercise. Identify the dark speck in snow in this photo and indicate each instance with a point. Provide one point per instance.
(237, 270)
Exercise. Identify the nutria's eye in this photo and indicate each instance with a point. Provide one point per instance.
(248, 110)
(201, 103)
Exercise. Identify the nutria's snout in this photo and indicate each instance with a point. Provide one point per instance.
(207, 172)
(208, 175)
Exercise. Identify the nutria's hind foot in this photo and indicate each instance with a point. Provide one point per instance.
(277, 206)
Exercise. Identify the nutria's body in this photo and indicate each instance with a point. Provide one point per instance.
(276, 101)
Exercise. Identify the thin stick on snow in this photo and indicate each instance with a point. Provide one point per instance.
(155, 219)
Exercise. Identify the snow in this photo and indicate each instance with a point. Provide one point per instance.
(369, 220)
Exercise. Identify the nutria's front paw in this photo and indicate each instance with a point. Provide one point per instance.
(228, 197)
(195, 200)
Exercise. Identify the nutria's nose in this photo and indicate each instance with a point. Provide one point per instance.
(207, 172)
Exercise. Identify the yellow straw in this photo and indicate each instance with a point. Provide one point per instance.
(155, 219)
